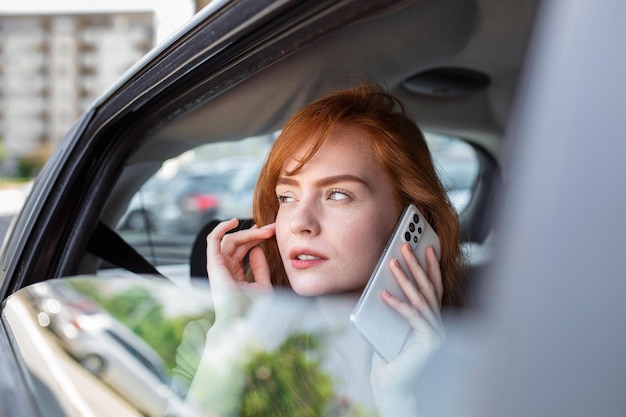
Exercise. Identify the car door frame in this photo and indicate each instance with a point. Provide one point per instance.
(220, 47)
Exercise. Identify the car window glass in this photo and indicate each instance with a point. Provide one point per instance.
(212, 181)
(217, 180)
(153, 348)
(457, 165)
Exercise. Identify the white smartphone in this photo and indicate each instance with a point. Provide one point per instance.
(378, 323)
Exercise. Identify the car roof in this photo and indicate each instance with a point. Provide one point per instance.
(463, 57)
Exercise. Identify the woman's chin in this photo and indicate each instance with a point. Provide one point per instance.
(309, 290)
(313, 289)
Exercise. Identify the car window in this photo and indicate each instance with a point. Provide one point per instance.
(217, 180)
(457, 165)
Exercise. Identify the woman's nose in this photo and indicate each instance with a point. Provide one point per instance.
(305, 218)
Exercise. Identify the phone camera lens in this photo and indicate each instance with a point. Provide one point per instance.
(416, 218)
(412, 227)
(407, 236)
(415, 239)
(419, 230)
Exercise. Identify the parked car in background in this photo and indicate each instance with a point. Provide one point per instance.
(190, 200)
(193, 196)
(236, 199)
(534, 88)
(143, 209)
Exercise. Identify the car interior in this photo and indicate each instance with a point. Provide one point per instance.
(494, 85)
(454, 65)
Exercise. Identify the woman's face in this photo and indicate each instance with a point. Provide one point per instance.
(335, 215)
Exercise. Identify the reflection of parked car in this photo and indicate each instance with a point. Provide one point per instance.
(57, 307)
(107, 349)
(120, 358)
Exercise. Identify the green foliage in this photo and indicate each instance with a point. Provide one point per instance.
(140, 311)
(3, 150)
(28, 166)
(288, 382)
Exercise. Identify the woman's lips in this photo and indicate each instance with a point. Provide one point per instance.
(303, 258)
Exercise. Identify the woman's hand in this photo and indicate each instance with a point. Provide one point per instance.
(393, 381)
(230, 336)
(225, 256)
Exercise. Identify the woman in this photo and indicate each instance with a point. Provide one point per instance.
(326, 202)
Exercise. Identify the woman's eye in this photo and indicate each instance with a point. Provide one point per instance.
(284, 199)
(338, 195)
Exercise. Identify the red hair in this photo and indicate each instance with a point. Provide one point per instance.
(400, 148)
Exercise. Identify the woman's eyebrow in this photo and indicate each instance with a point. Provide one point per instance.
(325, 181)
(334, 179)
(286, 181)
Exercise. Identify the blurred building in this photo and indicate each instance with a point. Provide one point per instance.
(52, 67)
(199, 4)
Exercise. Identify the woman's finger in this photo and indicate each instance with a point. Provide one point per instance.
(427, 278)
(422, 319)
(220, 264)
(260, 268)
(238, 244)
(214, 238)
(418, 308)
(433, 269)
(226, 251)
(246, 242)
(409, 282)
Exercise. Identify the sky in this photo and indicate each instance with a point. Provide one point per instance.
(169, 14)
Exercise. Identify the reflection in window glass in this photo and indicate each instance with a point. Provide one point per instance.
(107, 346)
(162, 353)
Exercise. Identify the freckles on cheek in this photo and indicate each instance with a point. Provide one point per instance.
(363, 239)
(281, 230)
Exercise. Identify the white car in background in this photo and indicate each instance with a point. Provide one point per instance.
(109, 350)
